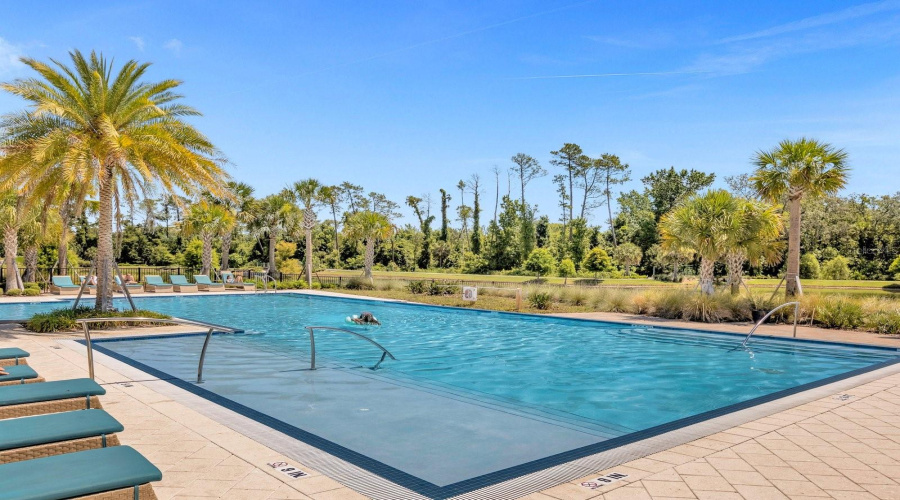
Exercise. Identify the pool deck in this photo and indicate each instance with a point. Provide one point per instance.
(844, 443)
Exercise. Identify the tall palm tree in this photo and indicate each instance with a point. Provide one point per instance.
(308, 193)
(208, 220)
(792, 171)
(271, 215)
(110, 130)
(369, 227)
(240, 204)
(753, 235)
(331, 196)
(700, 225)
(13, 215)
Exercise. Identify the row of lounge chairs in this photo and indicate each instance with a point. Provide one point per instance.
(63, 285)
(57, 442)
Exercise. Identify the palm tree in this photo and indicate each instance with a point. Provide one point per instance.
(109, 130)
(369, 227)
(270, 216)
(308, 193)
(208, 220)
(331, 196)
(38, 225)
(752, 236)
(628, 254)
(792, 171)
(699, 225)
(239, 204)
(13, 215)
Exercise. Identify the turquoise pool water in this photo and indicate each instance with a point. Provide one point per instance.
(587, 381)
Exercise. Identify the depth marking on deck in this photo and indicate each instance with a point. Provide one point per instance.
(287, 469)
(602, 481)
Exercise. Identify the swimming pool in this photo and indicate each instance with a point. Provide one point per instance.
(474, 396)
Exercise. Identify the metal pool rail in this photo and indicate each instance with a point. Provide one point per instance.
(312, 344)
(764, 318)
(173, 321)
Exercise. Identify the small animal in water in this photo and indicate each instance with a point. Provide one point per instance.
(364, 318)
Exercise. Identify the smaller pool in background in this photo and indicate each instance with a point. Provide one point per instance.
(474, 397)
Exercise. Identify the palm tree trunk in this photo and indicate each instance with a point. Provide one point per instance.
(735, 263)
(11, 248)
(104, 301)
(31, 262)
(226, 248)
(370, 257)
(62, 249)
(273, 239)
(793, 257)
(707, 267)
(206, 257)
(308, 267)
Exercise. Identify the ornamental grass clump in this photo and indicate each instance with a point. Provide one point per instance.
(840, 312)
(540, 299)
(63, 320)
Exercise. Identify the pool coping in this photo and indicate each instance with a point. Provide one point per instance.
(422, 487)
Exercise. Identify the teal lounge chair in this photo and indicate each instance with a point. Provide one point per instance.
(19, 374)
(62, 285)
(89, 288)
(56, 433)
(114, 472)
(231, 282)
(180, 283)
(132, 287)
(206, 285)
(156, 284)
(49, 397)
(11, 356)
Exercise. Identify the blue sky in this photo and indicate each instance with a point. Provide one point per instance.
(408, 97)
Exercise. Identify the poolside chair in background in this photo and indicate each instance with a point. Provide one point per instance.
(41, 436)
(116, 472)
(207, 285)
(62, 285)
(49, 397)
(12, 356)
(132, 287)
(230, 282)
(180, 283)
(89, 289)
(19, 374)
(156, 284)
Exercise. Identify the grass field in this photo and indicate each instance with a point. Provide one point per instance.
(850, 287)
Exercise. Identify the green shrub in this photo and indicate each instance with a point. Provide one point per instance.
(884, 321)
(359, 284)
(837, 268)
(31, 284)
(31, 292)
(840, 312)
(418, 287)
(809, 267)
(540, 300)
(540, 261)
(64, 319)
(14, 293)
(435, 288)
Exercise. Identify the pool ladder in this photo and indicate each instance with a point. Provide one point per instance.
(266, 279)
(764, 318)
(312, 344)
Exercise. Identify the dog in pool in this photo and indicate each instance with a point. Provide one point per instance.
(364, 318)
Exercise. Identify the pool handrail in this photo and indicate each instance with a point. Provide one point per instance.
(312, 344)
(169, 321)
(773, 311)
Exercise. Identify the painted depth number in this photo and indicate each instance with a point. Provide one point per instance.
(287, 469)
(602, 481)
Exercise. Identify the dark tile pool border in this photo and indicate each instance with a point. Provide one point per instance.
(431, 490)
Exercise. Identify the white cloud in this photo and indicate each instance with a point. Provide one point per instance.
(174, 45)
(138, 41)
(826, 19)
(9, 57)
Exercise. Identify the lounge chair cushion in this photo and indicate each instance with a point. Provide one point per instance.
(63, 282)
(18, 372)
(204, 280)
(56, 427)
(76, 474)
(178, 279)
(13, 353)
(49, 391)
(155, 281)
